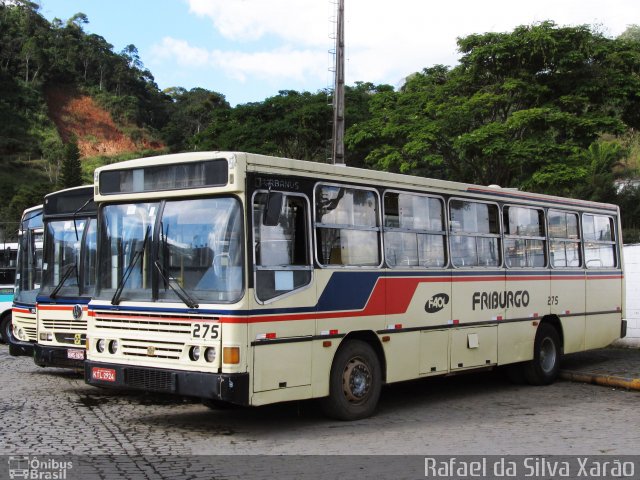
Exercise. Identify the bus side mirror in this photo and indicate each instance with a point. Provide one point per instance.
(273, 208)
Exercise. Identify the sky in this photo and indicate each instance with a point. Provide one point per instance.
(249, 50)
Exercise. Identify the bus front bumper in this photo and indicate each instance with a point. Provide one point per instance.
(227, 387)
(51, 356)
(18, 348)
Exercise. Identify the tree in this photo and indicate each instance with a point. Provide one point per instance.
(71, 171)
(518, 103)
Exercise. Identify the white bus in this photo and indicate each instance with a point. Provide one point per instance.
(250, 279)
(68, 277)
(8, 260)
(28, 278)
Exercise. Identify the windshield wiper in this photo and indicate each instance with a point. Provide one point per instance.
(69, 268)
(132, 263)
(179, 291)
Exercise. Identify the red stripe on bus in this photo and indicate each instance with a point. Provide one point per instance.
(58, 307)
(390, 296)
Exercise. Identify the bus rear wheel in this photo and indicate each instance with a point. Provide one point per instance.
(544, 367)
(355, 382)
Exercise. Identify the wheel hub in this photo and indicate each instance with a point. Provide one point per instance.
(547, 355)
(356, 381)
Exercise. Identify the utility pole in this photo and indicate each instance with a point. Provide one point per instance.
(337, 154)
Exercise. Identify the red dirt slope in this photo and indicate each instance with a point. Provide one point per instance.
(97, 134)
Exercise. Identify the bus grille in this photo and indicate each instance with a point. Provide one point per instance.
(151, 349)
(156, 381)
(143, 324)
(69, 325)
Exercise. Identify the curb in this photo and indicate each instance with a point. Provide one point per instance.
(604, 380)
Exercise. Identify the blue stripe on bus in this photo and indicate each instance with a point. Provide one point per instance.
(45, 300)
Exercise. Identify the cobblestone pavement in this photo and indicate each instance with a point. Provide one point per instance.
(52, 411)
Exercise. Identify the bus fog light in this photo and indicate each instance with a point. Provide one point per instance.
(100, 345)
(210, 354)
(231, 355)
(113, 346)
(194, 353)
(46, 337)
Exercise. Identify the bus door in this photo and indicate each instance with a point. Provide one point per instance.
(282, 324)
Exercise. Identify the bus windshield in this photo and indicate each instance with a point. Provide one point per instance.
(69, 258)
(186, 251)
(29, 268)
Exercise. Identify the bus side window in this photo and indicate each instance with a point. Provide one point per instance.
(281, 252)
(599, 241)
(347, 228)
(564, 239)
(525, 237)
(414, 233)
(475, 234)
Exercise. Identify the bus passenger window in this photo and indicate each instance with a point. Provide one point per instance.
(475, 234)
(281, 252)
(599, 241)
(525, 240)
(347, 229)
(414, 230)
(564, 239)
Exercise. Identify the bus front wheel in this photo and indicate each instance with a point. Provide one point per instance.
(544, 367)
(5, 328)
(355, 382)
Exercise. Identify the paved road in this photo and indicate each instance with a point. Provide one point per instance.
(52, 411)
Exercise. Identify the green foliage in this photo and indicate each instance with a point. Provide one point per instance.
(545, 108)
(521, 109)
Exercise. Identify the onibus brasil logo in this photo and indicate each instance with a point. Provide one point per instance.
(37, 468)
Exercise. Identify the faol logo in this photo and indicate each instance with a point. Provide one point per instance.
(436, 303)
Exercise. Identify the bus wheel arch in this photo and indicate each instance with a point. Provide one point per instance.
(554, 320)
(355, 378)
(543, 369)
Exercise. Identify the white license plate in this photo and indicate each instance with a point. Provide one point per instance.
(74, 354)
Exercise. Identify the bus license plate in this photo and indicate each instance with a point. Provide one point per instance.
(103, 374)
(75, 354)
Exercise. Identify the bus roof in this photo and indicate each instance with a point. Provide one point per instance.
(248, 162)
(70, 201)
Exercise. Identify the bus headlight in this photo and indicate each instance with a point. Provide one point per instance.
(100, 345)
(113, 346)
(20, 334)
(46, 337)
(210, 354)
(194, 353)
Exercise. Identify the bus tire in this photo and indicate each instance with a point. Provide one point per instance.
(544, 367)
(355, 382)
(5, 328)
